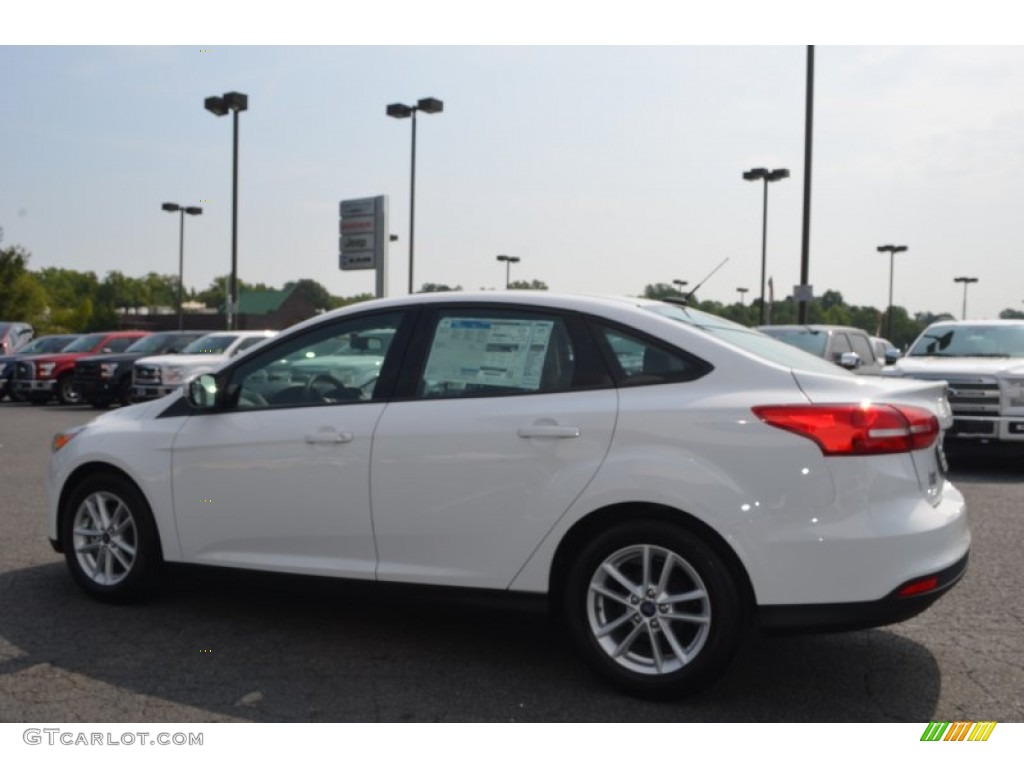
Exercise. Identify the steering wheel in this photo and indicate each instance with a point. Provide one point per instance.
(367, 387)
(252, 399)
(313, 393)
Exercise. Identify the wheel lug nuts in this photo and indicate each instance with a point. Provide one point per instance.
(650, 593)
(636, 619)
(634, 599)
(654, 623)
(663, 608)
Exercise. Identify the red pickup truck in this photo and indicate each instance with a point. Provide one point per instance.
(38, 378)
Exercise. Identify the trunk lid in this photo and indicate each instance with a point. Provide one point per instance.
(929, 463)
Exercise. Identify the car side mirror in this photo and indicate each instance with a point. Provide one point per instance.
(202, 392)
(891, 356)
(849, 360)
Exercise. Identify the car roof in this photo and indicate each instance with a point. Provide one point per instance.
(994, 323)
(812, 327)
(582, 302)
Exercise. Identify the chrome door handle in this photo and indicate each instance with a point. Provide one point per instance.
(548, 430)
(328, 436)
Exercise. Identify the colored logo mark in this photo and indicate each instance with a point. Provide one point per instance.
(959, 731)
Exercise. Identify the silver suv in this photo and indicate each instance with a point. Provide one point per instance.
(850, 348)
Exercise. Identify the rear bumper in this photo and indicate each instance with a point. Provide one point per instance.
(841, 617)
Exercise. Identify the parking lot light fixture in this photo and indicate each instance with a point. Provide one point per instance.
(966, 281)
(509, 261)
(754, 174)
(191, 210)
(743, 293)
(680, 284)
(892, 251)
(220, 105)
(431, 106)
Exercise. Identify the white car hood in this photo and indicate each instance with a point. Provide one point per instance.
(186, 361)
(937, 366)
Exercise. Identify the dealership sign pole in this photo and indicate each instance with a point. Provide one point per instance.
(364, 237)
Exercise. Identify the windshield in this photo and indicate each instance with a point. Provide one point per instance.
(85, 343)
(970, 341)
(371, 343)
(214, 344)
(47, 344)
(806, 339)
(150, 345)
(748, 339)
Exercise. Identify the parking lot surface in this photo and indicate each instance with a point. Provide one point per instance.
(222, 646)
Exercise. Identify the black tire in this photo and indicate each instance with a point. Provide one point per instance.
(124, 391)
(66, 392)
(109, 539)
(638, 638)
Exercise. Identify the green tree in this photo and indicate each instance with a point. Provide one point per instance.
(831, 299)
(160, 290)
(315, 293)
(215, 296)
(661, 291)
(21, 296)
(66, 288)
(524, 285)
(78, 318)
(344, 301)
(437, 288)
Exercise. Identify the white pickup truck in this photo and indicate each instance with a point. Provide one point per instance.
(160, 375)
(982, 361)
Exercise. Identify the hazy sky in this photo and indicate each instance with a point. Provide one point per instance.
(602, 168)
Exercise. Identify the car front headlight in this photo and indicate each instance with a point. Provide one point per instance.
(107, 370)
(63, 438)
(175, 374)
(1013, 390)
(43, 370)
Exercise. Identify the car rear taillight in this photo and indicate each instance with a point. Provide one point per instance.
(850, 429)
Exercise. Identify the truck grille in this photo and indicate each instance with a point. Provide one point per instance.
(86, 373)
(146, 374)
(973, 396)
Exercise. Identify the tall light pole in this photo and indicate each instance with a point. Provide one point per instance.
(892, 250)
(191, 210)
(742, 292)
(776, 175)
(966, 281)
(430, 106)
(679, 284)
(509, 261)
(220, 105)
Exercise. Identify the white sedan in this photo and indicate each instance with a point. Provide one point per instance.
(670, 480)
